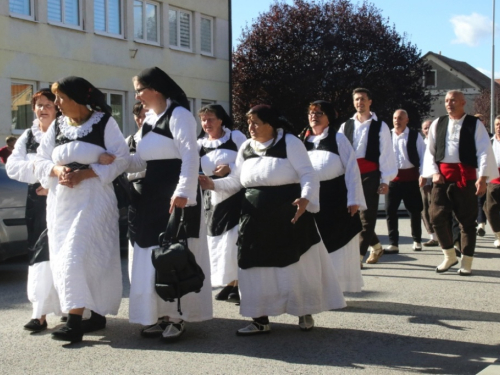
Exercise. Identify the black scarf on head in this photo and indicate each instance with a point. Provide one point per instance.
(158, 80)
(84, 93)
(328, 108)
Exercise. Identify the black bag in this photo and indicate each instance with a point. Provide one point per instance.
(177, 272)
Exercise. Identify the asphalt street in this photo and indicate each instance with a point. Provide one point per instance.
(407, 320)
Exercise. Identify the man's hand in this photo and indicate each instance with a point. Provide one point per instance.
(422, 181)
(437, 178)
(383, 189)
(481, 186)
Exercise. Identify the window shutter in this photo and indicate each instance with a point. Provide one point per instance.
(185, 30)
(20, 7)
(206, 35)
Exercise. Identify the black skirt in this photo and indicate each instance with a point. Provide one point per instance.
(336, 225)
(267, 237)
(36, 224)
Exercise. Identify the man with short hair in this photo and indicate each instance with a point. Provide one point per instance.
(371, 139)
(492, 204)
(409, 148)
(458, 145)
(7, 150)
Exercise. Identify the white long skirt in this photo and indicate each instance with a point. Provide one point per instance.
(308, 286)
(346, 263)
(145, 306)
(224, 257)
(84, 246)
(41, 291)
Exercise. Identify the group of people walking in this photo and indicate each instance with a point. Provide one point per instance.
(277, 220)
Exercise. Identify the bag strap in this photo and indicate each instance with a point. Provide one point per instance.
(176, 228)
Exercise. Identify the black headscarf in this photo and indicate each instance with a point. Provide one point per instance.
(84, 93)
(271, 116)
(158, 80)
(220, 113)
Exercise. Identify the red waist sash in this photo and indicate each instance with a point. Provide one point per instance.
(406, 175)
(366, 166)
(457, 172)
(496, 180)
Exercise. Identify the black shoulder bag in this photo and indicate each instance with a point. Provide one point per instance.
(177, 272)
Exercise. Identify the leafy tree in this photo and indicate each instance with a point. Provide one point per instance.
(295, 54)
(482, 105)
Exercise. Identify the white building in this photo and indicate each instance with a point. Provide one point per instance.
(108, 42)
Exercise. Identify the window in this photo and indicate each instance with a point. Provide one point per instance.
(191, 104)
(205, 102)
(116, 101)
(430, 78)
(146, 21)
(107, 16)
(64, 11)
(206, 35)
(23, 8)
(20, 104)
(180, 29)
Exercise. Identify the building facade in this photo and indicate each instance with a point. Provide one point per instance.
(108, 42)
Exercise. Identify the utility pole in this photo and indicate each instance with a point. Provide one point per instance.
(492, 105)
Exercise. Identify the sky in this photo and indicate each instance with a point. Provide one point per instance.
(459, 29)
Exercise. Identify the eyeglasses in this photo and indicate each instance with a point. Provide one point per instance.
(42, 106)
(318, 114)
(138, 91)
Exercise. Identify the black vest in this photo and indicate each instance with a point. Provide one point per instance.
(228, 145)
(276, 151)
(95, 137)
(163, 124)
(329, 143)
(466, 144)
(31, 143)
(411, 148)
(373, 143)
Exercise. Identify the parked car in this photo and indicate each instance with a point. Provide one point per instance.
(13, 232)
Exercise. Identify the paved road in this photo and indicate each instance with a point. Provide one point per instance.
(407, 320)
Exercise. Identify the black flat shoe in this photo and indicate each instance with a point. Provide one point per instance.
(34, 326)
(224, 293)
(234, 296)
(94, 323)
(64, 319)
(68, 334)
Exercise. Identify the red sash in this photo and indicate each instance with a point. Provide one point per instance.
(366, 166)
(496, 180)
(457, 172)
(406, 175)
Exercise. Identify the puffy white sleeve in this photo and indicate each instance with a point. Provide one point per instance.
(355, 195)
(309, 181)
(421, 152)
(238, 138)
(487, 165)
(43, 160)
(342, 129)
(430, 165)
(231, 184)
(19, 166)
(387, 160)
(183, 128)
(115, 145)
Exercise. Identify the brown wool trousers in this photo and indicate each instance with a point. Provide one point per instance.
(492, 206)
(368, 237)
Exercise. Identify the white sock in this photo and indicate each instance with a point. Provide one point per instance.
(482, 225)
(431, 236)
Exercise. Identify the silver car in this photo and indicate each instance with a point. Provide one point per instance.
(13, 233)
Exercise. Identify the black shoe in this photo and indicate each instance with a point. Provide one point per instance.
(154, 330)
(234, 296)
(95, 323)
(34, 326)
(64, 319)
(481, 232)
(68, 334)
(224, 293)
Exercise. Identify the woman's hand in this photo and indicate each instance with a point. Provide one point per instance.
(106, 159)
(301, 204)
(353, 209)
(177, 202)
(206, 183)
(41, 191)
(222, 170)
(73, 178)
(59, 171)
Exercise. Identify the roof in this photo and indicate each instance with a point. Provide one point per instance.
(467, 70)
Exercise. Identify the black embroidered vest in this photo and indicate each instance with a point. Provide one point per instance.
(329, 143)
(228, 145)
(163, 124)
(373, 142)
(95, 137)
(31, 143)
(276, 151)
(466, 144)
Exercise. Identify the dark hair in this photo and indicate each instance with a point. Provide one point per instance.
(156, 79)
(10, 139)
(220, 113)
(361, 90)
(137, 109)
(270, 116)
(329, 111)
(42, 92)
(82, 92)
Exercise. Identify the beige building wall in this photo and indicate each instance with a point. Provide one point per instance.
(40, 52)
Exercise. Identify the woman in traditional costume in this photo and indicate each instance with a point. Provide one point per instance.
(167, 150)
(340, 195)
(218, 146)
(82, 217)
(284, 266)
(21, 167)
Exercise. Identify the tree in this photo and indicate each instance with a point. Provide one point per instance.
(482, 105)
(295, 54)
